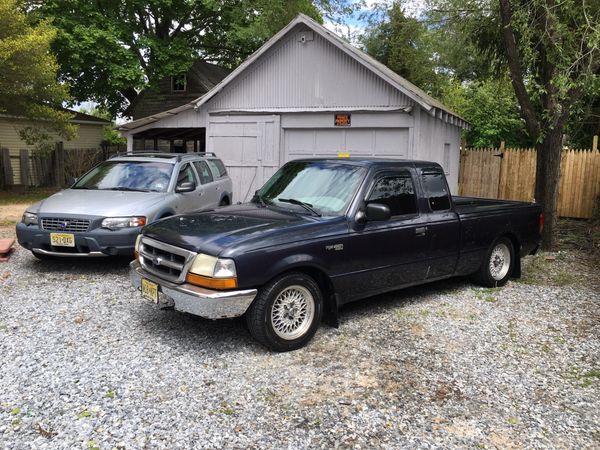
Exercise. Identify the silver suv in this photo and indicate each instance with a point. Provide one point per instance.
(102, 213)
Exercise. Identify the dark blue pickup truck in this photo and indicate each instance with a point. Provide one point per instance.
(324, 232)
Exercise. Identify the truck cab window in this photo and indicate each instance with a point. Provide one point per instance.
(436, 190)
(397, 192)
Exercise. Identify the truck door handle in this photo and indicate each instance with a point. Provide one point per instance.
(420, 231)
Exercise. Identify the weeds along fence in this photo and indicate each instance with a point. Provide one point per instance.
(510, 174)
(25, 168)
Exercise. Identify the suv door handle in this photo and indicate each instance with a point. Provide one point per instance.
(420, 231)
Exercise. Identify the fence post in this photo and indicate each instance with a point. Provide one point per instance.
(595, 143)
(59, 165)
(6, 167)
(501, 171)
(24, 164)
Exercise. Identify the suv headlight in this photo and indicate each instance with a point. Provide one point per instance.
(29, 218)
(212, 272)
(113, 223)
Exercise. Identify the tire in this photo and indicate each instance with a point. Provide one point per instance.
(275, 317)
(498, 264)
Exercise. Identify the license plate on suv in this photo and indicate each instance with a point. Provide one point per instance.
(150, 290)
(62, 240)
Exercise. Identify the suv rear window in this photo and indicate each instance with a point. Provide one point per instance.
(217, 167)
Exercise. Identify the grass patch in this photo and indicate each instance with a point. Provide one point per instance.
(564, 279)
(584, 378)
(486, 294)
(31, 195)
(7, 223)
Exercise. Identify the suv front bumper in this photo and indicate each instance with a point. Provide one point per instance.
(197, 300)
(96, 242)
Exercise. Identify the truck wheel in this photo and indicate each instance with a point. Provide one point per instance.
(498, 264)
(286, 313)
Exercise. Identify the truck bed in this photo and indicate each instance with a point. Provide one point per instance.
(470, 205)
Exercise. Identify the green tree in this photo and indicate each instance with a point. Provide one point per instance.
(404, 45)
(109, 51)
(28, 84)
(553, 54)
(551, 51)
(491, 109)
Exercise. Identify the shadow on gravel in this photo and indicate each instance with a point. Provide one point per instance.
(185, 331)
(384, 302)
(108, 265)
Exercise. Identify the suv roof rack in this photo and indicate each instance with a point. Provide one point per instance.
(179, 156)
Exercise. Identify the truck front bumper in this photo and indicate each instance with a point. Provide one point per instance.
(197, 300)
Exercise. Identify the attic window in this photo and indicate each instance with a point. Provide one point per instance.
(179, 83)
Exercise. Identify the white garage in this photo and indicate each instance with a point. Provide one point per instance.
(308, 93)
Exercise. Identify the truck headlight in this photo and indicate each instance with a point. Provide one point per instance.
(136, 247)
(29, 218)
(212, 272)
(113, 223)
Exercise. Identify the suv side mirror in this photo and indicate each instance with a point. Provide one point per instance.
(377, 212)
(187, 186)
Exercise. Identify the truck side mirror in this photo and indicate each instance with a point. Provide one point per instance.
(377, 212)
(187, 186)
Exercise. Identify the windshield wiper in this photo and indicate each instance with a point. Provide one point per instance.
(123, 188)
(305, 205)
(260, 199)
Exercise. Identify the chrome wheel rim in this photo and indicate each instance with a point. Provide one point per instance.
(499, 261)
(292, 312)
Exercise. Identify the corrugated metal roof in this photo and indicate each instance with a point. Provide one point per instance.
(428, 103)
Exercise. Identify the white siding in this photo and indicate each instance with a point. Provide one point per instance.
(314, 75)
(434, 134)
(249, 148)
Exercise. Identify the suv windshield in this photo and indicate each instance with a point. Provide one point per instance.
(127, 176)
(326, 187)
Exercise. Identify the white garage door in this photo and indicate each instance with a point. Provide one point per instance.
(249, 148)
(378, 142)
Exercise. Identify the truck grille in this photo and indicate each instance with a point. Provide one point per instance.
(165, 261)
(60, 224)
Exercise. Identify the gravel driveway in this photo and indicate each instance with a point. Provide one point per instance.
(86, 363)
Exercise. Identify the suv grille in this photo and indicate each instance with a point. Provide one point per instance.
(165, 261)
(60, 224)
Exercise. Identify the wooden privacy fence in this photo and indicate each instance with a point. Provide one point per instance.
(57, 168)
(510, 174)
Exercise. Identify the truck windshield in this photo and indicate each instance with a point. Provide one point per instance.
(127, 176)
(326, 187)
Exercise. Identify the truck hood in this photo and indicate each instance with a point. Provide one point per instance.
(246, 227)
(98, 203)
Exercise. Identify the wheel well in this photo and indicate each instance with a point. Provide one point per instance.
(226, 200)
(168, 214)
(517, 254)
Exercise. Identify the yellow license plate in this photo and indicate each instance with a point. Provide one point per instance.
(150, 290)
(62, 239)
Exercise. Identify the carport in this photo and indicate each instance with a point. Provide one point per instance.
(173, 140)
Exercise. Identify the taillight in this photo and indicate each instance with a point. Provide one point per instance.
(541, 223)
